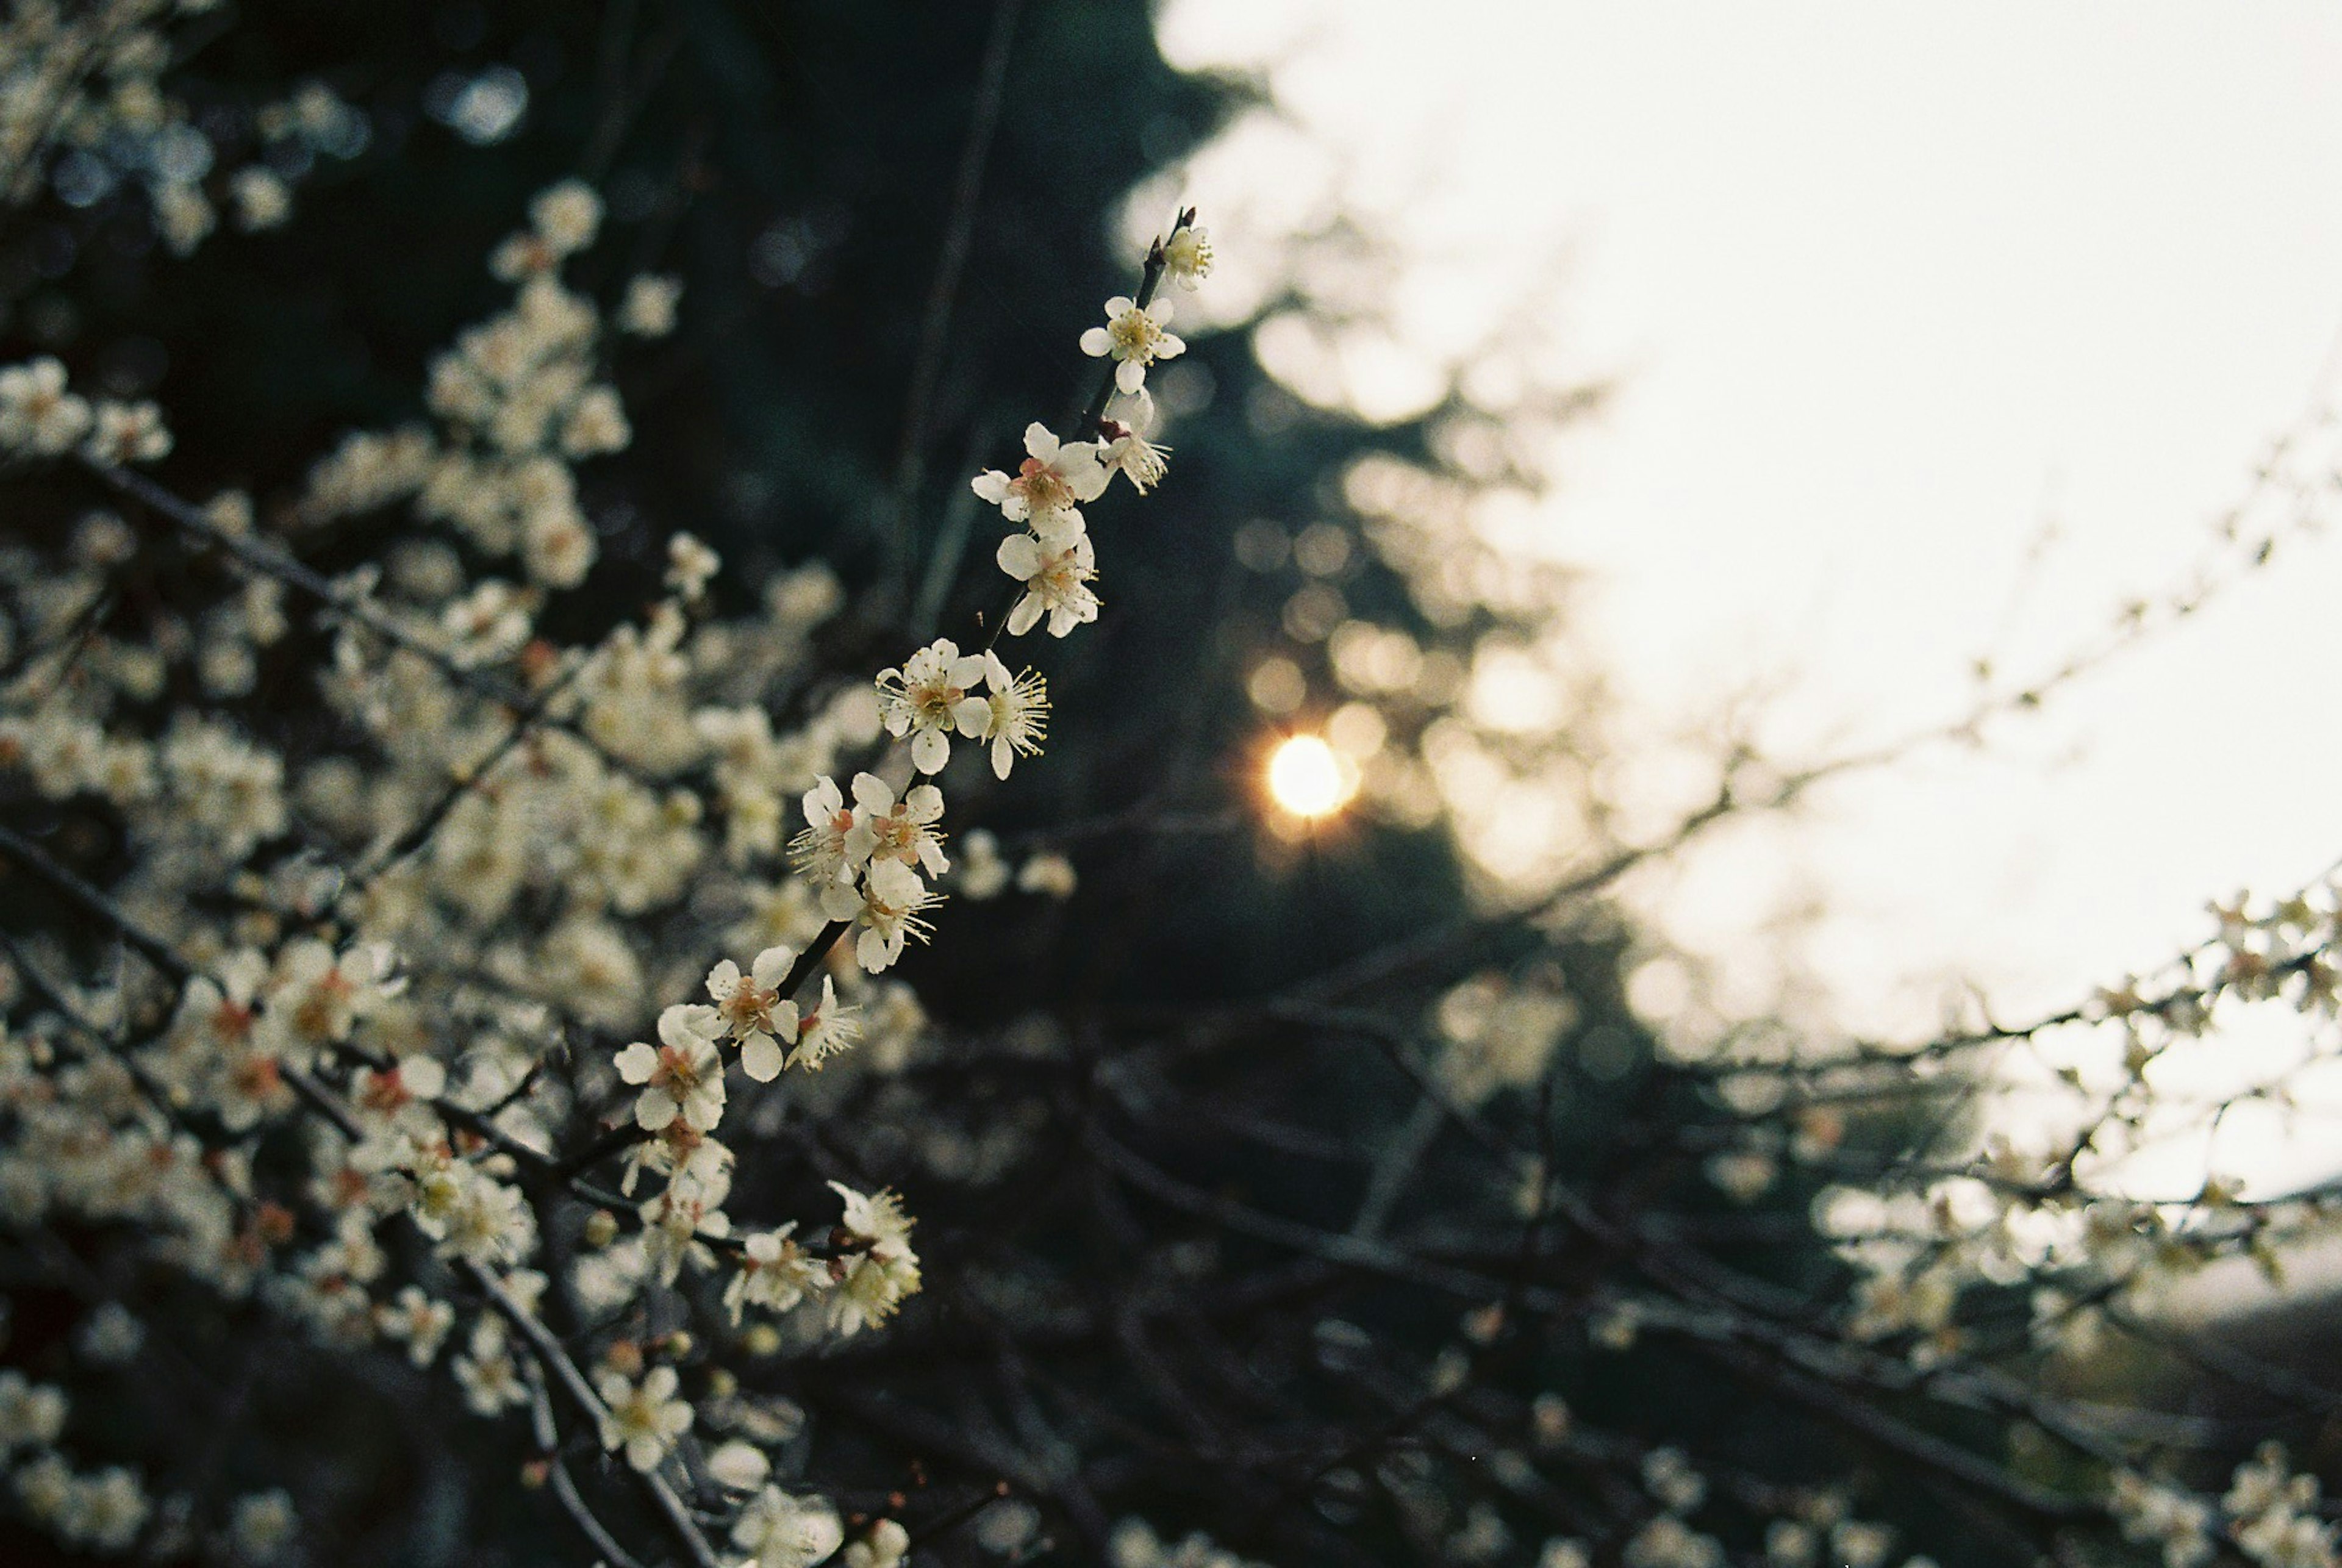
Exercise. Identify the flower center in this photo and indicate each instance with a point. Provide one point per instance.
(1134, 335)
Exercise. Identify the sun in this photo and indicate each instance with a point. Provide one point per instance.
(1309, 779)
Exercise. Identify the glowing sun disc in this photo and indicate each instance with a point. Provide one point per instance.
(1308, 778)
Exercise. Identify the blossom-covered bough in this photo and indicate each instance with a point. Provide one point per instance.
(516, 771)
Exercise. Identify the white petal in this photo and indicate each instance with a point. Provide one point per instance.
(1096, 344)
(973, 717)
(1120, 304)
(990, 486)
(772, 966)
(653, 1111)
(1130, 375)
(1021, 619)
(871, 794)
(636, 1062)
(1171, 347)
(1039, 443)
(761, 1059)
(929, 751)
(1020, 557)
(1161, 311)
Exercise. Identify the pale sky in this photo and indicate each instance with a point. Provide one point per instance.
(1886, 288)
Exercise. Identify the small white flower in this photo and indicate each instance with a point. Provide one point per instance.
(886, 1545)
(128, 433)
(927, 698)
(1018, 713)
(829, 1028)
(490, 1382)
(1135, 458)
(884, 829)
(418, 1320)
(648, 310)
(645, 1418)
(887, 906)
(1187, 257)
(689, 566)
(753, 1011)
(820, 851)
(567, 215)
(778, 1531)
(775, 1273)
(882, 1270)
(263, 199)
(1135, 337)
(684, 1076)
(32, 1415)
(1054, 477)
(1056, 571)
(37, 414)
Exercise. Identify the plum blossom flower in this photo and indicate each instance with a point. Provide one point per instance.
(1134, 336)
(887, 906)
(1056, 571)
(1018, 714)
(128, 433)
(684, 1076)
(927, 698)
(882, 1269)
(1053, 477)
(753, 1011)
(37, 414)
(825, 1029)
(888, 829)
(820, 850)
(1187, 257)
(1132, 455)
(775, 1273)
(418, 1320)
(645, 1418)
(779, 1531)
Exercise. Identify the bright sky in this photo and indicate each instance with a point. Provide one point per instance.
(1886, 289)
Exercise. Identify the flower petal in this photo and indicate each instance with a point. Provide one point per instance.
(760, 1058)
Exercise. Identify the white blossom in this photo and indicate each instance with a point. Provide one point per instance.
(682, 1076)
(1053, 480)
(929, 697)
(1135, 337)
(643, 1418)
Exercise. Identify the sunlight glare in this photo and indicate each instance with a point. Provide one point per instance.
(1308, 778)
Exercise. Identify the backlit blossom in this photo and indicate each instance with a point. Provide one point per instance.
(1187, 257)
(645, 1419)
(37, 414)
(682, 1076)
(820, 849)
(1056, 477)
(888, 829)
(929, 697)
(887, 906)
(1134, 336)
(780, 1531)
(1056, 571)
(882, 1270)
(1018, 714)
(825, 1028)
(753, 1011)
(774, 1273)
